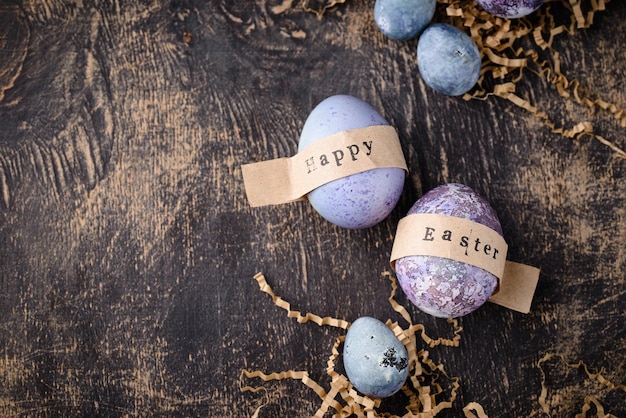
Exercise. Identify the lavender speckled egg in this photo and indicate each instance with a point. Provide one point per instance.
(510, 9)
(403, 19)
(375, 360)
(448, 59)
(442, 287)
(360, 200)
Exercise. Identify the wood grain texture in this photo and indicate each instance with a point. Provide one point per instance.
(127, 248)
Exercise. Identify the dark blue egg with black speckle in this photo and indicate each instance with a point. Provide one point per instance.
(375, 360)
(403, 19)
(448, 59)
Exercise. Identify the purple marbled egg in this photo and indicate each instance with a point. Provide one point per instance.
(510, 9)
(363, 199)
(442, 287)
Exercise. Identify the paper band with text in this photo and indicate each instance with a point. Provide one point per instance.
(288, 179)
(450, 237)
(468, 242)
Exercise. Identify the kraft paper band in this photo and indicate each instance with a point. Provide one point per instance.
(517, 287)
(284, 180)
(471, 243)
(450, 237)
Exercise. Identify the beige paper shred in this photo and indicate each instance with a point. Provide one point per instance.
(589, 400)
(319, 7)
(505, 63)
(426, 394)
(457, 329)
(260, 278)
(496, 37)
(474, 410)
(598, 406)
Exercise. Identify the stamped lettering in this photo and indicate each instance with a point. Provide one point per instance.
(345, 153)
(464, 241)
(337, 156)
(450, 237)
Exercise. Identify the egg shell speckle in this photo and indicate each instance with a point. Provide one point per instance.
(510, 9)
(438, 286)
(376, 362)
(360, 200)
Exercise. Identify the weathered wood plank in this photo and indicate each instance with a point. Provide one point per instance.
(127, 248)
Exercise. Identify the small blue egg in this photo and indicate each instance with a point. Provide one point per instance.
(448, 59)
(360, 200)
(375, 360)
(403, 19)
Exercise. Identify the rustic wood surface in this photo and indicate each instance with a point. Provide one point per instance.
(128, 249)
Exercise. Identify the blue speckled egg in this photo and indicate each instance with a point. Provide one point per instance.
(448, 59)
(360, 200)
(510, 9)
(376, 362)
(403, 19)
(439, 286)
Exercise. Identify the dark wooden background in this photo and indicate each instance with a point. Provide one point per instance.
(128, 249)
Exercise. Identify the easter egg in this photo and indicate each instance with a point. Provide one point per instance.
(443, 287)
(448, 59)
(376, 362)
(510, 9)
(359, 200)
(403, 19)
